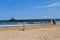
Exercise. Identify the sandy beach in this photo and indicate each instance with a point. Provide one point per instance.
(44, 32)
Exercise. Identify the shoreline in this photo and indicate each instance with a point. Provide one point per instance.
(44, 32)
(20, 28)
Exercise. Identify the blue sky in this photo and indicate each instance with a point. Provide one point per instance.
(29, 9)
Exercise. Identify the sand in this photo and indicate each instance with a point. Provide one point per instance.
(45, 32)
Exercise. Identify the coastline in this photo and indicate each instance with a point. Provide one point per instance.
(44, 32)
(20, 28)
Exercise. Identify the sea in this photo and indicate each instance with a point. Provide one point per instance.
(9, 24)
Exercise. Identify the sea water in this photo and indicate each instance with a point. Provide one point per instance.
(8, 24)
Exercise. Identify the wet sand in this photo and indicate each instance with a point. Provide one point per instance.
(44, 32)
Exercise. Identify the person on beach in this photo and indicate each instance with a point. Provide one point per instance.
(54, 22)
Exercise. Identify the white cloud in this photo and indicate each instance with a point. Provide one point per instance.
(54, 4)
(45, 16)
(50, 5)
